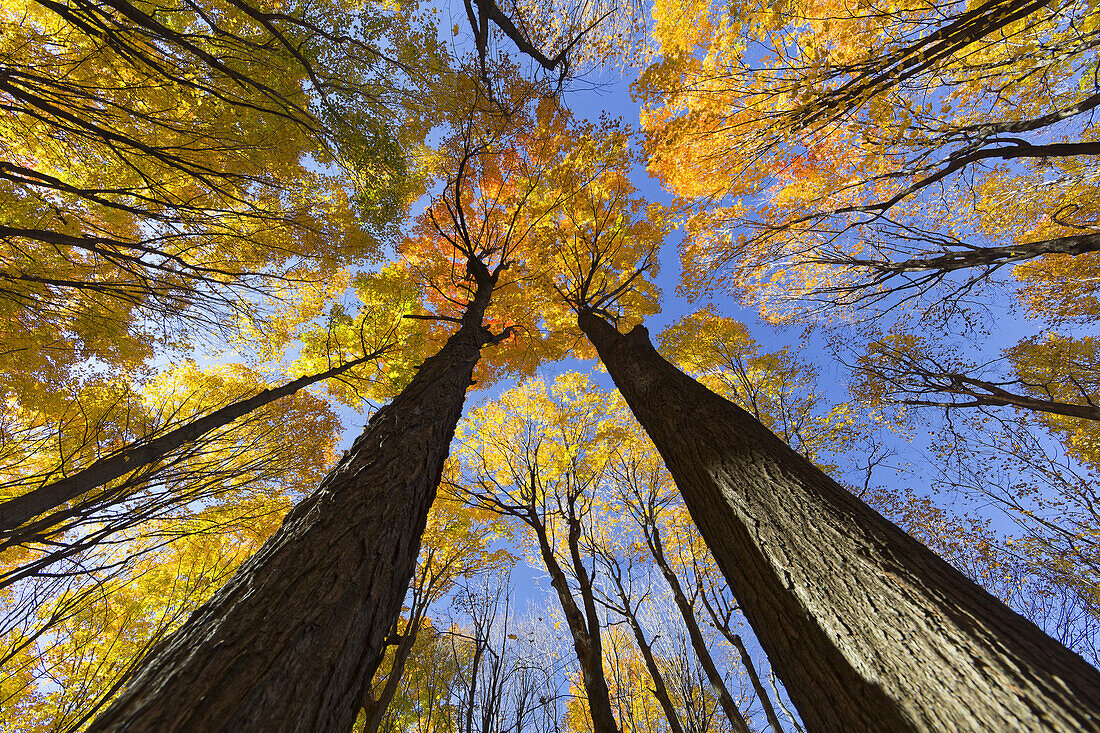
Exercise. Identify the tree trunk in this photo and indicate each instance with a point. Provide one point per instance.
(765, 701)
(869, 630)
(17, 511)
(723, 626)
(695, 634)
(292, 641)
(375, 708)
(660, 689)
(586, 636)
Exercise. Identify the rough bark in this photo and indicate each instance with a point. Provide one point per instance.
(868, 629)
(292, 641)
(17, 511)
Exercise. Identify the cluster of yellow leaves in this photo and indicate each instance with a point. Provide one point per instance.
(759, 115)
(1043, 365)
(103, 627)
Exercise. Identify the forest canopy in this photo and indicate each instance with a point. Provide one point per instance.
(329, 400)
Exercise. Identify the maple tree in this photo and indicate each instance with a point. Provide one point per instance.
(375, 491)
(693, 428)
(236, 173)
(735, 474)
(537, 457)
(841, 165)
(203, 123)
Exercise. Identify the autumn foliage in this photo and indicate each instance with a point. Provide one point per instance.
(885, 222)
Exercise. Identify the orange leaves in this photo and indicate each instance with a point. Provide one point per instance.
(544, 205)
(805, 126)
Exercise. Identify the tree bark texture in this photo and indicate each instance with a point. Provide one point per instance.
(868, 629)
(292, 641)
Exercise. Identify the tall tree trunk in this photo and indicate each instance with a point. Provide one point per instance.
(17, 511)
(660, 689)
(869, 630)
(585, 633)
(695, 634)
(374, 709)
(292, 641)
(765, 701)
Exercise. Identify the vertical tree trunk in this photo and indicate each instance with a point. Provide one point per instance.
(695, 634)
(584, 629)
(291, 642)
(765, 701)
(375, 708)
(660, 689)
(869, 630)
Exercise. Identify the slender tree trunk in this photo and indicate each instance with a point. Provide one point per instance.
(375, 708)
(292, 641)
(479, 650)
(660, 689)
(765, 701)
(17, 511)
(723, 626)
(698, 643)
(586, 639)
(869, 630)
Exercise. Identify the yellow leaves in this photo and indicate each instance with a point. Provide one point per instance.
(108, 623)
(1063, 369)
(777, 144)
(679, 27)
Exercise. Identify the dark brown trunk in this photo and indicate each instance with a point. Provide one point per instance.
(586, 636)
(695, 634)
(869, 630)
(17, 511)
(292, 641)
